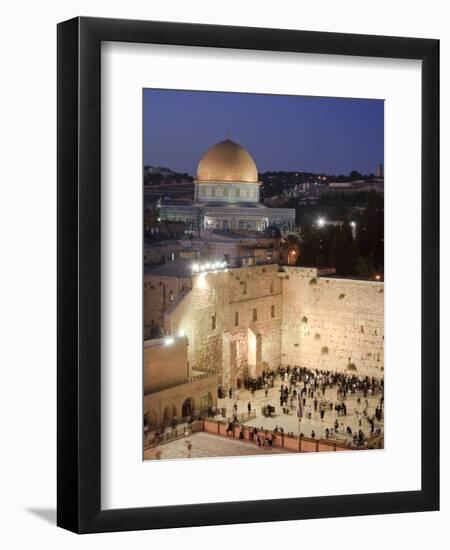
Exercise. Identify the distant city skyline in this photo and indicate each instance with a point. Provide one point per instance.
(290, 133)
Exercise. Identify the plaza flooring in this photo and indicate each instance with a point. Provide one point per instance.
(207, 445)
(290, 422)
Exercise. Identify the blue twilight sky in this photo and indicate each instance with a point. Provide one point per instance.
(292, 133)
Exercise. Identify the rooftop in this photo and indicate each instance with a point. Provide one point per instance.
(181, 267)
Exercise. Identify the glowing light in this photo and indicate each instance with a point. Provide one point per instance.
(181, 333)
(321, 222)
(169, 341)
(209, 266)
(377, 277)
(353, 224)
(201, 281)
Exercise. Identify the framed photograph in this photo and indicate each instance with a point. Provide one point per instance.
(248, 259)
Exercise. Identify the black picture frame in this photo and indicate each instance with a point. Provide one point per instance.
(79, 281)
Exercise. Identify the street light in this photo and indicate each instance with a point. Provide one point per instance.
(321, 222)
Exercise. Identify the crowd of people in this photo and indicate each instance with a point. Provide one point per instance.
(304, 392)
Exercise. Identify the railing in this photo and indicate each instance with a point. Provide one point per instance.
(268, 438)
(289, 443)
(152, 439)
(242, 417)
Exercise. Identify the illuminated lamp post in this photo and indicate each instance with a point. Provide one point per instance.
(321, 222)
(292, 257)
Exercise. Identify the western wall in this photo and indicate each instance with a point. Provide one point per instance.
(332, 323)
(241, 321)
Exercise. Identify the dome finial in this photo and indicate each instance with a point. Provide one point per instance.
(227, 134)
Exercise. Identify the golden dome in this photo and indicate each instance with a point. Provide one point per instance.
(227, 161)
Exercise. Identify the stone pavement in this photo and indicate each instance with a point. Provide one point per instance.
(290, 422)
(207, 445)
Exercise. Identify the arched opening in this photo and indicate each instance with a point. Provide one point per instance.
(206, 401)
(188, 407)
(170, 412)
(150, 420)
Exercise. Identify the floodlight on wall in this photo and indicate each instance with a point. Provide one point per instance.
(214, 266)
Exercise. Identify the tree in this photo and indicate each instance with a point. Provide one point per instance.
(365, 267)
(354, 175)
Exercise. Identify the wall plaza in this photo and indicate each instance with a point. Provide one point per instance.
(223, 327)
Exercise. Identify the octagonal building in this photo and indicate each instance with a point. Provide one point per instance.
(227, 195)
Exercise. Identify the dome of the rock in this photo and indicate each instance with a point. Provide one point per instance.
(227, 161)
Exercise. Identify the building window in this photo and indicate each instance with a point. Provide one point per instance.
(244, 287)
(238, 193)
(236, 319)
(272, 311)
(171, 296)
(213, 322)
(271, 283)
(254, 314)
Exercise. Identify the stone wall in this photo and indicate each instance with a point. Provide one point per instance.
(331, 323)
(159, 293)
(161, 407)
(240, 321)
(218, 311)
(165, 362)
